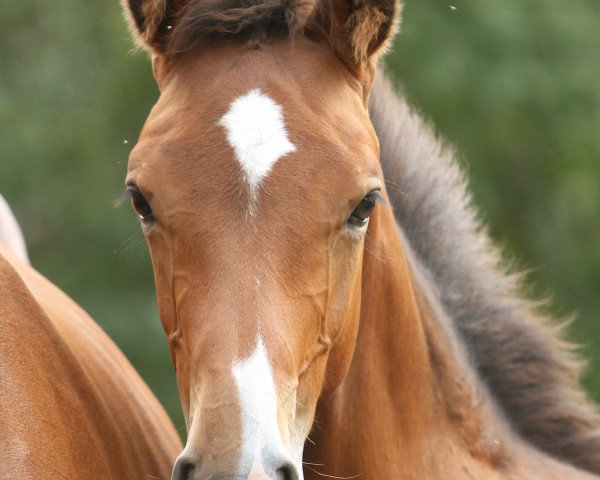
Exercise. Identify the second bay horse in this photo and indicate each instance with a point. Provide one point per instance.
(71, 405)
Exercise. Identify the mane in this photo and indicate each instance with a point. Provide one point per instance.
(519, 353)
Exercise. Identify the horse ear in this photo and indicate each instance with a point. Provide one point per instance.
(361, 30)
(151, 21)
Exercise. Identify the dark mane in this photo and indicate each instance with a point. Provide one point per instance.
(518, 352)
(240, 19)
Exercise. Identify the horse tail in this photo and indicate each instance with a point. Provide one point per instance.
(11, 235)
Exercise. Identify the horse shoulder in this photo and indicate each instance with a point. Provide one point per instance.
(72, 403)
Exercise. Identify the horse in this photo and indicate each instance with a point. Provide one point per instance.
(71, 404)
(333, 307)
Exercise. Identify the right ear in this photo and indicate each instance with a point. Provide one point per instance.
(151, 22)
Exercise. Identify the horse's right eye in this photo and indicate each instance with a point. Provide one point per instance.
(140, 204)
(360, 215)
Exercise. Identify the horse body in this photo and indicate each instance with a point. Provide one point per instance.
(297, 309)
(72, 406)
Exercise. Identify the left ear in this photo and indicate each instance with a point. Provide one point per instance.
(360, 31)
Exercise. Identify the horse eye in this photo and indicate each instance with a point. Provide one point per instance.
(140, 204)
(360, 215)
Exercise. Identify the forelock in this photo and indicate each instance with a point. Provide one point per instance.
(242, 20)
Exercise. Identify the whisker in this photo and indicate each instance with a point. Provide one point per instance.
(288, 395)
(367, 246)
(129, 244)
(394, 186)
(333, 476)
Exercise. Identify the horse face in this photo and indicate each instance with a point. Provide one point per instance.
(255, 179)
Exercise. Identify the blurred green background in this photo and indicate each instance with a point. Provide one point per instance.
(514, 85)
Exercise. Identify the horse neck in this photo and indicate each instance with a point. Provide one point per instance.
(410, 395)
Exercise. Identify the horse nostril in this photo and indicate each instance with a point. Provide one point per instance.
(286, 473)
(184, 469)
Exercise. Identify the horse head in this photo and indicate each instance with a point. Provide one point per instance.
(256, 177)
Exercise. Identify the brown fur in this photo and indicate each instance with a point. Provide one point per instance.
(145, 18)
(369, 26)
(518, 352)
(362, 27)
(71, 405)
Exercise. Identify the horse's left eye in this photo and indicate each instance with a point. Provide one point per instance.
(360, 215)
(140, 204)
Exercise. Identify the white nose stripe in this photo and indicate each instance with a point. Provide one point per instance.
(256, 132)
(258, 405)
(257, 472)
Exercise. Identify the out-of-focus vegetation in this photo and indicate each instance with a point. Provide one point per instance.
(514, 85)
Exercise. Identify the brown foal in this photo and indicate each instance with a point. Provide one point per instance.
(308, 338)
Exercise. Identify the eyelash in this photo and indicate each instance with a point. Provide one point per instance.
(139, 203)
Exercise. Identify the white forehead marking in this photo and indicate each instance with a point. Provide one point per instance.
(256, 132)
(258, 404)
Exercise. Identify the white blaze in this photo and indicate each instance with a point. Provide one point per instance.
(258, 405)
(256, 132)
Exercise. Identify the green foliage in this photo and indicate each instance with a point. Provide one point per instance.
(513, 85)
